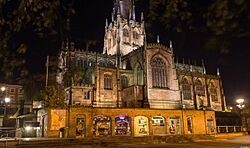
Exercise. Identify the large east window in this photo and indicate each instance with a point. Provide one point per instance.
(186, 90)
(107, 81)
(159, 74)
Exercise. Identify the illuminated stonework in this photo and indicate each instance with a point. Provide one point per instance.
(132, 74)
(124, 34)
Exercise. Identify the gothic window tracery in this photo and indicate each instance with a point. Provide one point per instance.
(124, 81)
(159, 73)
(102, 64)
(107, 81)
(213, 93)
(125, 33)
(110, 64)
(139, 75)
(186, 90)
(135, 35)
(200, 91)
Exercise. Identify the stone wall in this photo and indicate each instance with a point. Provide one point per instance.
(199, 120)
(206, 81)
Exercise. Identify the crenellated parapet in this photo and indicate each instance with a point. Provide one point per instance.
(161, 46)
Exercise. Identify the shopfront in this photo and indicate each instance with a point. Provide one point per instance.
(141, 126)
(102, 126)
(123, 125)
(159, 125)
(174, 125)
(80, 126)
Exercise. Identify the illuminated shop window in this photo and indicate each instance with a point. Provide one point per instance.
(141, 126)
(102, 126)
(159, 125)
(123, 125)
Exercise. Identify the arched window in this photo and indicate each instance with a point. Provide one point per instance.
(135, 35)
(213, 93)
(186, 90)
(124, 81)
(107, 81)
(139, 75)
(102, 64)
(159, 74)
(125, 33)
(110, 64)
(200, 91)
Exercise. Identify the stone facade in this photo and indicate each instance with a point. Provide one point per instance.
(135, 73)
(141, 122)
(133, 88)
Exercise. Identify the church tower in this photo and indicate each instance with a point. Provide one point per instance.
(123, 34)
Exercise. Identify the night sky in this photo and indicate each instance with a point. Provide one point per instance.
(89, 21)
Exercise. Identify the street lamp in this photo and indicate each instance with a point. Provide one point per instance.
(6, 100)
(240, 103)
(3, 88)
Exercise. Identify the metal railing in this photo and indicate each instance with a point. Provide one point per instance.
(229, 129)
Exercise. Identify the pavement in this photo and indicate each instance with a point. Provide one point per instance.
(130, 142)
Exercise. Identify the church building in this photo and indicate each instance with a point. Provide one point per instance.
(134, 87)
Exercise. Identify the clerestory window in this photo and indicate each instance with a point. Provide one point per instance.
(186, 90)
(200, 91)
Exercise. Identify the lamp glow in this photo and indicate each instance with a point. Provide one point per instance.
(240, 101)
(3, 88)
(7, 100)
(27, 128)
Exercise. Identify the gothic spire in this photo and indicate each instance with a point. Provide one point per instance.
(142, 17)
(218, 71)
(133, 10)
(106, 24)
(170, 44)
(203, 66)
(158, 39)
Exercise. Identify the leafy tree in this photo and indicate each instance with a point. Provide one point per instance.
(39, 19)
(223, 21)
(52, 97)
